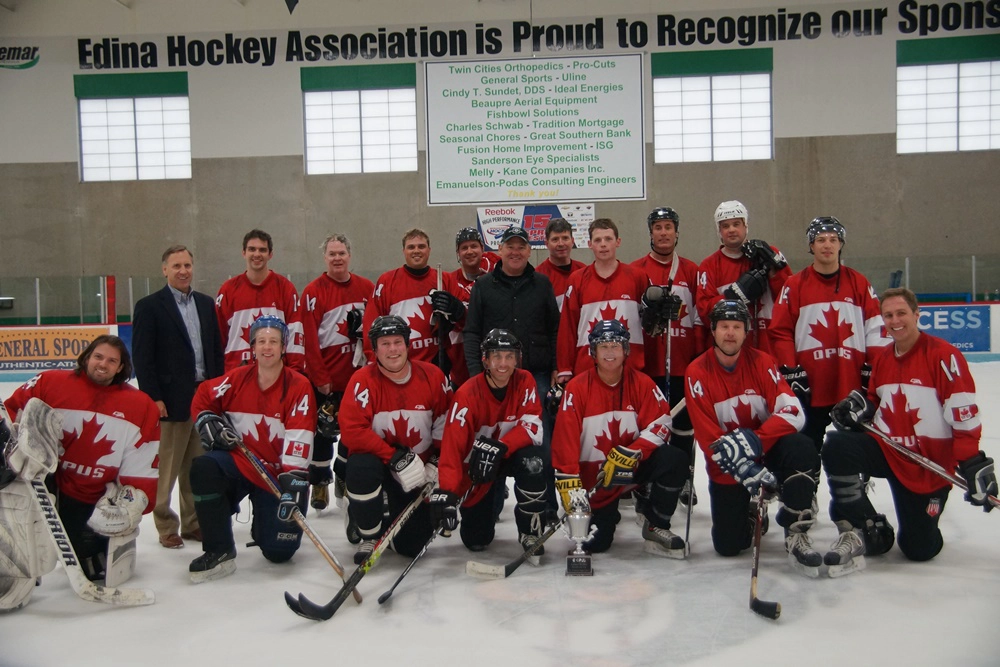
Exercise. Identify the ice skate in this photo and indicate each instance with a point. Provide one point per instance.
(662, 542)
(212, 565)
(847, 553)
(801, 554)
(527, 541)
(365, 550)
(320, 496)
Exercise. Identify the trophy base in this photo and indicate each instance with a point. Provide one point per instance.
(579, 564)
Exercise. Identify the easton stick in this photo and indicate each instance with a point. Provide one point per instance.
(766, 609)
(86, 589)
(297, 515)
(924, 462)
(306, 608)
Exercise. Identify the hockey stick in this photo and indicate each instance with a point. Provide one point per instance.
(306, 608)
(766, 609)
(86, 589)
(297, 515)
(925, 462)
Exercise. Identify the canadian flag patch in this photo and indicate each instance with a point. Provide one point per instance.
(964, 413)
(297, 449)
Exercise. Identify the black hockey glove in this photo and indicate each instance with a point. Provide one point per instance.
(866, 376)
(981, 480)
(553, 398)
(619, 467)
(736, 453)
(447, 304)
(848, 414)
(327, 423)
(216, 431)
(749, 287)
(485, 459)
(444, 510)
(763, 255)
(657, 307)
(294, 486)
(797, 379)
(355, 317)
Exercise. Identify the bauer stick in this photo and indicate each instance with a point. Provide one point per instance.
(297, 515)
(306, 608)
(925, 462)
(766, 609)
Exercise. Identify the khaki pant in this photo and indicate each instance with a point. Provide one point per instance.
(179, 444)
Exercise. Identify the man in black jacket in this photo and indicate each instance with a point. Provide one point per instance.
(176, 344)
(517, 298)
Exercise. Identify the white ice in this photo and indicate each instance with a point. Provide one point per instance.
(636, 610)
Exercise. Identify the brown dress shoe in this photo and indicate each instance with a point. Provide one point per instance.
(194, 535)
(173, 541)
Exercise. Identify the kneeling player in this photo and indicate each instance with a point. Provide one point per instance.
(921, 395)
(493, 429)
(393, 416)
(746, 417)
(611, 426)
(269, 408)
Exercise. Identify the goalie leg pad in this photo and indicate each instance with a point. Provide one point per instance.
(121, 558)
(26, 549)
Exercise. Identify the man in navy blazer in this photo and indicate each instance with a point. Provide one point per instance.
(176, 344)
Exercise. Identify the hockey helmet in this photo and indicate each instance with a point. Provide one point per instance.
(500, 339)
(388, 325)
(824, 224)
(663, 213)
(608, 331)
(269, 322)
(467, 234)
(732, 310)
(729, 210)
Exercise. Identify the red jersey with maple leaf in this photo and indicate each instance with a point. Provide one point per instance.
(456, 340)
(109, 433)
(240, 302)
(718, 271)
(559, 277)
(829, 325)
(378, 413)
(329, 351)
(687, 333)
(590, 299)
(926, 402)
(751, 395)
(276, 424)
(595, 417)
(516, 421)
(400, 292)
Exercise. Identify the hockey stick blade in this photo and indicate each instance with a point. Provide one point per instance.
(771, 610)
(503, 571)
(83, 587)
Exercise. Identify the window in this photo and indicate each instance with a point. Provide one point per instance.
(712, 106)
(948, 94)
(133, 126)
(360, 118)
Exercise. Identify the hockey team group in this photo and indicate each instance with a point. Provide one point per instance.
(418, 397)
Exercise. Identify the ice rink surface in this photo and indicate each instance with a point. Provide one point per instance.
(636, 610)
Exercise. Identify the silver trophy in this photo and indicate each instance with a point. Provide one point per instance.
(578, 529)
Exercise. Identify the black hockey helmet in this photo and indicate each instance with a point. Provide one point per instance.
(467, 234)
(608, 331)
(732, 310)
(500, 339)
(825, 224)
(389, 325)
(663, 213)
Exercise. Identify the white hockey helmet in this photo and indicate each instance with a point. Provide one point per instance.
(728, 210)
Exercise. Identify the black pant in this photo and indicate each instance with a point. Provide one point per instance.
(91, 549)
(817, 419)
(845, 456)
(526, 466)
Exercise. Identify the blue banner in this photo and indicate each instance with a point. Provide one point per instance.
(965, 327)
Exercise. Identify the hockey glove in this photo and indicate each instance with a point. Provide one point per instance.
(431, 468)
(866, 376)
(763, 255)
(553, 398)
(566, 485)
(736, 453)
(749, 287)
(797, 379)
(33, 445)
(447, 304)
(657, 308)
(485, 459)
(407, 469)
(981, 480)
(619, 468)
(848, 414)
(216, 431)
(119, 510)
(327, 422)
(294, 486)
(355, 316)
(444, 510)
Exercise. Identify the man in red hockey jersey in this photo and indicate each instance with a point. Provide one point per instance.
(392, 418)
(612, 426)
(751, 271)
(746, 420)
(270, 409)
(111, 433)
(255, 292)
(473, 262)
(333, 308)
(559, 265)
(825, 326)
(921, 395)
(494, 430)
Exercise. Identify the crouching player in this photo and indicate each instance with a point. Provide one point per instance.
(493, 429)
(269, 408)
(921, 395)
(746, 420)
(610, 432)
(103, 457)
